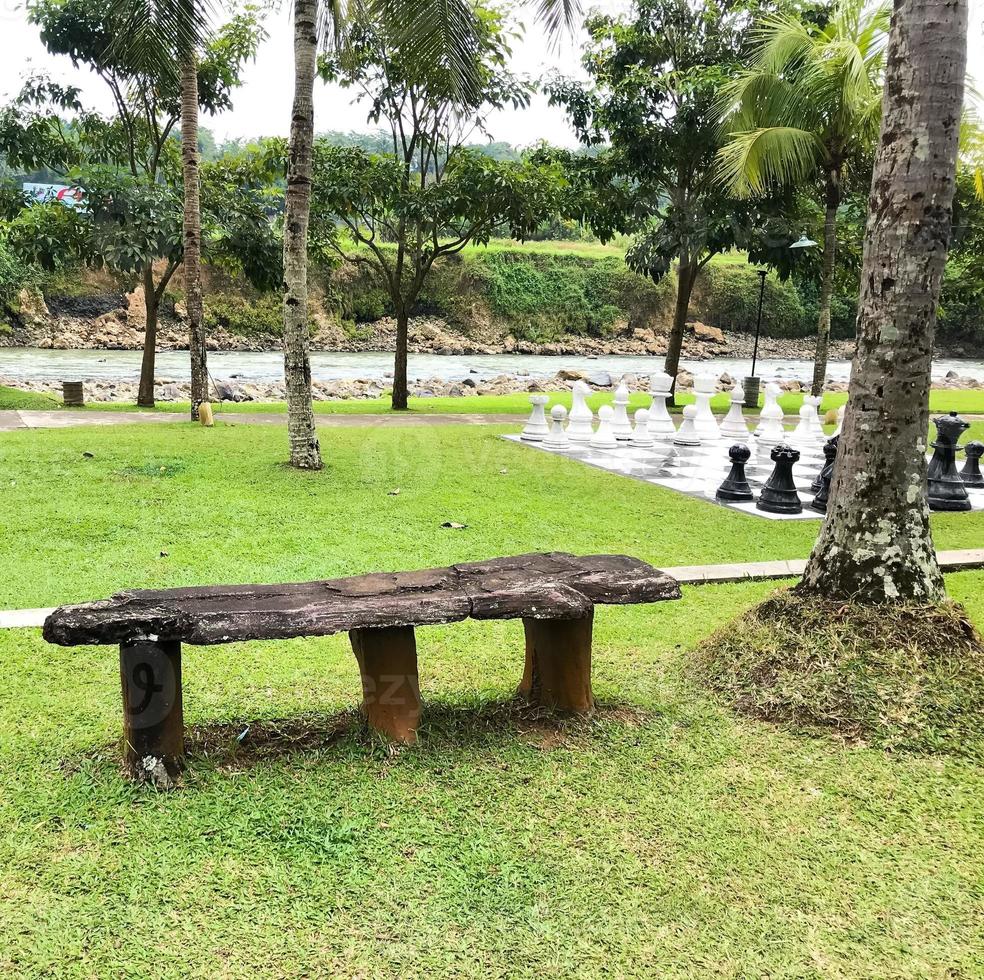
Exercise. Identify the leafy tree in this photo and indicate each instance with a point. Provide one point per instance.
(48, 126)
(654, 79)
(429, 196)
(807, 111)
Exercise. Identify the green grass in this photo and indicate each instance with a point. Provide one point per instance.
(14, 399)
(970, 402)
(666, 837)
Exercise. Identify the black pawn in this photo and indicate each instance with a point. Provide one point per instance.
(971, 472)
(945, 489)
(829, 452)
(820, 500)
(779, 494)
(735, 486)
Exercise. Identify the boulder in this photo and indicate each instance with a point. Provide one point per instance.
(599, 379)
(705, 332)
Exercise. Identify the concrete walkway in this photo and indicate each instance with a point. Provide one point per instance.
(950, 561)
(11, 420)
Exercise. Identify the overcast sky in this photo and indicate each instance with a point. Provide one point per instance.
(262, 105)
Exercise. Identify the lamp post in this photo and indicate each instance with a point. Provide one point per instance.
(752, 382)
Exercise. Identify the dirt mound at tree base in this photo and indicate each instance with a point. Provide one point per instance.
(892, 675)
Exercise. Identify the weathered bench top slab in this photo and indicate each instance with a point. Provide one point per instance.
(535, 586)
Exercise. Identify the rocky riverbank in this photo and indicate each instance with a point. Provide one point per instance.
(232, 390)
(116, 322)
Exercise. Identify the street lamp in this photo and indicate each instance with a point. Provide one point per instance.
(752, 382)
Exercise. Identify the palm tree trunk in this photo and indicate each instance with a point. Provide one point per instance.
(875, 544)
(192, 257)
(400, 392)
(305, 453)
(145, 390)
(827, 280)
(686, 275)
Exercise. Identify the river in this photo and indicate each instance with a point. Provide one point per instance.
(31, 364)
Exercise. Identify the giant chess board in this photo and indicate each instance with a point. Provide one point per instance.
(698, 471)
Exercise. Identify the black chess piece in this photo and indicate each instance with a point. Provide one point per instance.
(829, 452)
(946, 491)
(971, 472)
(735, 486)
(779, 494)
(822, 496)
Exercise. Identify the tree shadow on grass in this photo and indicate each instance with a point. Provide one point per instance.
(444, 727)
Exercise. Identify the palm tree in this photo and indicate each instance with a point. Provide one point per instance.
(875, 544)
(807, 108)
(192, 218)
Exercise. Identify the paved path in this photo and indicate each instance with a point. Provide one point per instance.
(950, 561)
(12, 420)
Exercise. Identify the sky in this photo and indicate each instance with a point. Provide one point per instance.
(262, 105)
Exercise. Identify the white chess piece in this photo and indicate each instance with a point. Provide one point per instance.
(816, 426)
(640, 434)
(802, 436)
(661, 425)
(771, 432)
(687, 435)
(580, 429)
(772, 393)
(622, 425)
(734, 425)
(604, 437)
(705, 386)
(840, 419)
(536, 427)
(557, 437)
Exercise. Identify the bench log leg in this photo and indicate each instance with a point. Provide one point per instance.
(387, 657)
(153, 721)
(558, 664)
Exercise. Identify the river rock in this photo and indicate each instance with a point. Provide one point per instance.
(599, 379)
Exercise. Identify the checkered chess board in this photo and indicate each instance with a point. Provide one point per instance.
(698, 471)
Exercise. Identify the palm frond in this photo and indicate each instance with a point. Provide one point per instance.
(558, 16)
(756, 160)
(147, 33)
(439, 33)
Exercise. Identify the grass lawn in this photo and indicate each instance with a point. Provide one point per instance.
(967, 401)
(14, 399)
(665, 837)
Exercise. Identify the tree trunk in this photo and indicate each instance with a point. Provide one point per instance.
(305, 453)
(192, 258)
(145, 392)
(827, 280)
(875, 544)
(400, 402)
(686, 274)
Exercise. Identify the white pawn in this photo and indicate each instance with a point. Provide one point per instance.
(640, 434)
(622, 425)
(687, 435)
(557, 437)
(536, 427)
(802, 436)
(579, 428)
(705, 386)
(816, 426)
(660, 423)
(771, 432)
(772, 392)
(734, 425)
(604, 437)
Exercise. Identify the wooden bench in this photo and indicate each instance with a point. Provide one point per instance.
(554, 594)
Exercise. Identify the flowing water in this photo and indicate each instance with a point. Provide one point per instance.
(104, 365)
